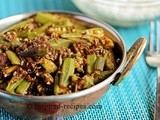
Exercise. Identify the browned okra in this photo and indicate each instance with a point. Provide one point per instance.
(7, 71)
(33, 52)
(48, 78)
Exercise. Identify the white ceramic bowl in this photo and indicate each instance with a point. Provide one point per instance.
(121, 12)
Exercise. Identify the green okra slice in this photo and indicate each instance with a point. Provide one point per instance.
(66, 42)
(60, 42)
(99, 63)
(13, 84)
(57, 89)
(103, 75)
(68, 69)
(23, 87)
(43, 18)
(56, 86)
(3, 42)
(9, 70)
(96, 32)
(13, 57)
(88, 81)
(71, 35)
(17, 25)
(90, 62)
(16, 43)
(49, 66)
(110, 63)
(38, 31)
(75, 77)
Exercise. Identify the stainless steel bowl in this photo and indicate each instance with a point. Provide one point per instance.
(43, 106)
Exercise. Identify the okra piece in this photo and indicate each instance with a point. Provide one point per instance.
(110, 63)
(109, 43)
(96, 32)
(13, 57)
(49, 66)
(48, 78)
(9, 70)
(0, 51)
(45, 18)
(99, 63)
(102, 76)
(60, 42)
(90, 62)
(88, 81)
(66, 42)
(17, 25)
(23, 87)
(13, 84)
(3, 42)
(38, 31)
(71, 35)
(68, 68)
(33, 52)
(16, 43)
(75, 77)
(57, 89)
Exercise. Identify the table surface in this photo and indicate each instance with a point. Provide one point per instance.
(135, 97)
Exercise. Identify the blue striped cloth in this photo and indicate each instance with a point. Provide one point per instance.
(133, 100)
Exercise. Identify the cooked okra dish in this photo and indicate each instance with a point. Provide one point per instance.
(54, 54)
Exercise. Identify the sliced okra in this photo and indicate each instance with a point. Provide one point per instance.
(110, 63)
(103, 75)
(49, 66)
(90, 62)
(68, 69)
(96, 32)
(87, 81)
(99, 63)
(9, 70)
(13, 84)
(23, 87)
(45, 17)
(13, 57)
(57, 89)
(48, 78)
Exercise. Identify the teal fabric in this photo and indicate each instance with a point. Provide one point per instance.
(133, 100)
